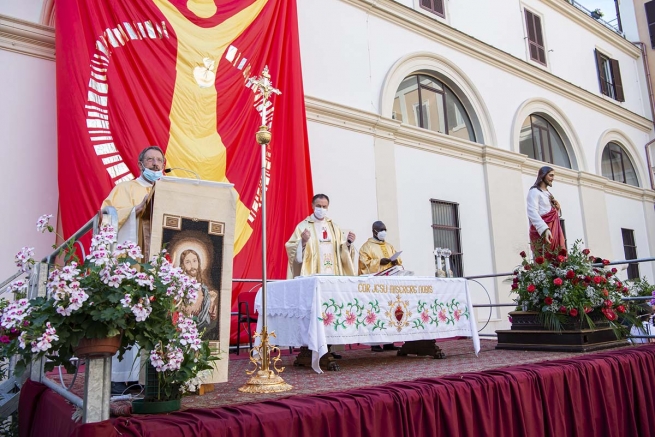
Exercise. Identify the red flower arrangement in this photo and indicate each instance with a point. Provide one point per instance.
(565, 284)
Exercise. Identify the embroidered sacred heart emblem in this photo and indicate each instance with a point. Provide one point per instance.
(399, 313)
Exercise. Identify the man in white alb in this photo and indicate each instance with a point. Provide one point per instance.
(317, 246)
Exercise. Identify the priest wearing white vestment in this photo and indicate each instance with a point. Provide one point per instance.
(317, 245)
(129, 200)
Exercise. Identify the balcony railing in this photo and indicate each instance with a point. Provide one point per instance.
(611, 24)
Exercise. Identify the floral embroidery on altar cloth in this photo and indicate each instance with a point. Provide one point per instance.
(399, 314)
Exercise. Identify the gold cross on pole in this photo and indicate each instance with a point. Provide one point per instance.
(264, 87)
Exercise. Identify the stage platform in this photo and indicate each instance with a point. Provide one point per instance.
(499, 393)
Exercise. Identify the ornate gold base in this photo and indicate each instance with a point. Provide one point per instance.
(265, 382)
(267, 378)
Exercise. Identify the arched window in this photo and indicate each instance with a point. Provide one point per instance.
(539, 140)
(426, 102)
(617, 166)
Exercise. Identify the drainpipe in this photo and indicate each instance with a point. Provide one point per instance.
(618, 15)
(644, 56)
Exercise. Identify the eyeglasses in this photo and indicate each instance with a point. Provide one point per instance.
(151, 160)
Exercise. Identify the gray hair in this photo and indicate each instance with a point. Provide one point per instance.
(144, 151)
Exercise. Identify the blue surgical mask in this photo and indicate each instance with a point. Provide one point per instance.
(151, 175)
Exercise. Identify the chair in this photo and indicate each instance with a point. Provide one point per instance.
(246, 303)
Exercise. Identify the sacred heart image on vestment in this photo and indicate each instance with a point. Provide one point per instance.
(398, 313)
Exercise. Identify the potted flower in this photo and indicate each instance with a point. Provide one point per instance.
(565, 291)
(597, 14)
(107, 302)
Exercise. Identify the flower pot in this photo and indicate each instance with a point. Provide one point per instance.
(98, 347)
(141, 406)
(528, 333)
(595, 15)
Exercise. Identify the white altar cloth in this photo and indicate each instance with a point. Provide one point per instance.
(319, 310)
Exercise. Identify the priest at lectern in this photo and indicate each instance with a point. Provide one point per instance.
(129, 199)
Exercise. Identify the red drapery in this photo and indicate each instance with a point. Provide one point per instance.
(558, 241)
(128, 77)
(607, 394)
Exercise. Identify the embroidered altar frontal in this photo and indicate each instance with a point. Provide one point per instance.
(320, 310)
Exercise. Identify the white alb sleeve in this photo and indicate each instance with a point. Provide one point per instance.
(533, 211)
(299, 252)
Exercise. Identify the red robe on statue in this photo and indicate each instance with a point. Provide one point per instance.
(539, 244)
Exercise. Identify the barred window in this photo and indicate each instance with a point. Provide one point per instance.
(447, 232)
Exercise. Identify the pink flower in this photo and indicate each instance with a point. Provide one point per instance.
(328, 318)
(557, 281)
(425, 317)
(442, 315)
(370, 318)
(531, 288)
(457, 314)
(350, 318)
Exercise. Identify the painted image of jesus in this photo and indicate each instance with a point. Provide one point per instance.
(205, 308)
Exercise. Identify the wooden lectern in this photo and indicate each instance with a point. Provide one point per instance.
(194, 220)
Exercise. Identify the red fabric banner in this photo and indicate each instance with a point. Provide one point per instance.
(174, 73)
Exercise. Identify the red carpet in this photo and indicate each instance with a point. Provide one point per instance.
(602, 394)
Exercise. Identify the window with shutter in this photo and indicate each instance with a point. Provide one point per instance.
(650, 18)
(609, 76)
(434, 6)
(535, 37)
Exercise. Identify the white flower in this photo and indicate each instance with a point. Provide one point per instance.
(14, 313)
(43, 223)
(144, 279)
(126, 301)
(44, 342)
(22, 340)
(142, 309)
(189, 335)
(170, 360)
(17, 286)
(24, 259)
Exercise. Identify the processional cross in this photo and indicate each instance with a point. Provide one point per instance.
(264, 87)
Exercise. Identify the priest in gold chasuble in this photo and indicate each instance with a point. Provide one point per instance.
(375, 253)
(317, 245)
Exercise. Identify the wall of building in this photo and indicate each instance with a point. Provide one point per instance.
(350, 70)
(28, 154)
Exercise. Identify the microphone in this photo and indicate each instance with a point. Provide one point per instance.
(168, 170)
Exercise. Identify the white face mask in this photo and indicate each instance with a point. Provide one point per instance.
(320, 213)
(382, 235)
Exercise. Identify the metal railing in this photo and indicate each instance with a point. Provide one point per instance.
(91, 410)
(612, 27)
(514, 304)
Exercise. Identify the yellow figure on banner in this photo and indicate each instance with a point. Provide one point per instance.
(194, 142)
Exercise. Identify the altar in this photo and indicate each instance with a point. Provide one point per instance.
(320, 310)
